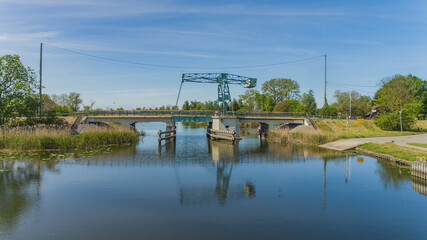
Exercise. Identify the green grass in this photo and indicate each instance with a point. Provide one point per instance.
(368, 129)
(424, 145)
(395, 150)
(67, 142)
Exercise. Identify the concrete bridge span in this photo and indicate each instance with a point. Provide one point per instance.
(221, 123)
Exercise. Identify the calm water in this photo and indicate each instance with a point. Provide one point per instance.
(197, 189)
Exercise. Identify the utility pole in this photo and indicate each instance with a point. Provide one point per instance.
(325, 84)
(346, 116)
(350, 103)
(400, 115)
(41, 68)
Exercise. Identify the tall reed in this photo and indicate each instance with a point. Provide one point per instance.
(306, 137)
(52, 137)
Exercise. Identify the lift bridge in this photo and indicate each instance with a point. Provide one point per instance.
(222, 124)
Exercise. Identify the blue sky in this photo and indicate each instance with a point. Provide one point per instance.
(365, 41)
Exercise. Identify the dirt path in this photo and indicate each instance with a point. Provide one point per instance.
(346, 144)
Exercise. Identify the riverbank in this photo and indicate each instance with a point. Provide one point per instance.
(334, 129)
(392, 152)
(48, 137)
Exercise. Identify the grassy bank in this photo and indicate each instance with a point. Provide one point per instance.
(368, 129)
(395, 150)
(424, 145)
(333, 129)
(60, 138)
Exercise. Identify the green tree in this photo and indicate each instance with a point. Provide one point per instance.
(236, 105)
(309, 102)
(289, 106)
(17, 89)
(269, 104)
(400, 92)
(74, 101)
(360, 105)
(186, 105)
(327, 110)
(260, 101)
(281, 89)
(249, 99)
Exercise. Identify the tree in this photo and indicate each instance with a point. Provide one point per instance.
(74, 101)
(236, 105)
(400, 92)
(289, 106)
(327, 110)
(359, 104)
(260, 101)
(249, 99)
(281, 89)
(186, 105)
(395, 92)
(269, 104)
(17, 89)
(68, 103)
(309, 102)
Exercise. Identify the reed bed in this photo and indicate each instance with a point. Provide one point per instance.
(44, 137)
(305, 137)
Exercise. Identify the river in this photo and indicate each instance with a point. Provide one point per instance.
(198, 189)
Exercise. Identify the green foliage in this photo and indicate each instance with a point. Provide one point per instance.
(281, 89)
(269, 104)
(67, 102)
(289, 106)
(186, 105)
(17, 89)
(248, 99)
(401, 92)
(359, 104)
(391, 121)
(309, 102)
(327, 110)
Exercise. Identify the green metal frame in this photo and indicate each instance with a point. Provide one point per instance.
(223, 80)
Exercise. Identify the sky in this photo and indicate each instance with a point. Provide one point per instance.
(365, 41)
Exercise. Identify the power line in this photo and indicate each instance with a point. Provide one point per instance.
(337, 85)
(177, 67)
(354, 85)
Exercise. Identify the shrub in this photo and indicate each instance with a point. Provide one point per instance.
(391, 121)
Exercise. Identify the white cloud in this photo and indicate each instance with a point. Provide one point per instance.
(28, 36)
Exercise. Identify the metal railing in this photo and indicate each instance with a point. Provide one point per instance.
(193, 113)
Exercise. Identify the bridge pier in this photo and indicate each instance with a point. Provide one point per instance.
(224, 128)
(263, 129)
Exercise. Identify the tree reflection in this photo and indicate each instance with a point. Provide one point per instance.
(19, 189)
(392, 176)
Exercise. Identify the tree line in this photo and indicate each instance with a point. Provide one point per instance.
(397, 96)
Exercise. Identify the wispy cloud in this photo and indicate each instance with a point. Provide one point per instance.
(28, 36)
(88, 47)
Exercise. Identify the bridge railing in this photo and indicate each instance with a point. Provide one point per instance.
(191, 113)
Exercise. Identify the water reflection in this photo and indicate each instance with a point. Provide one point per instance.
(392, 176)
(19, 189)
(419, 185)
(207, 174)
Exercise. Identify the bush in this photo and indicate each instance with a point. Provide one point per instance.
(391, 121)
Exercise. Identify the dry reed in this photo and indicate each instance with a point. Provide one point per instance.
(305, 137)
(61, 138)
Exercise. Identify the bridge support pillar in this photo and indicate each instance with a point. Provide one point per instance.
(263, 129)
(224, 128)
